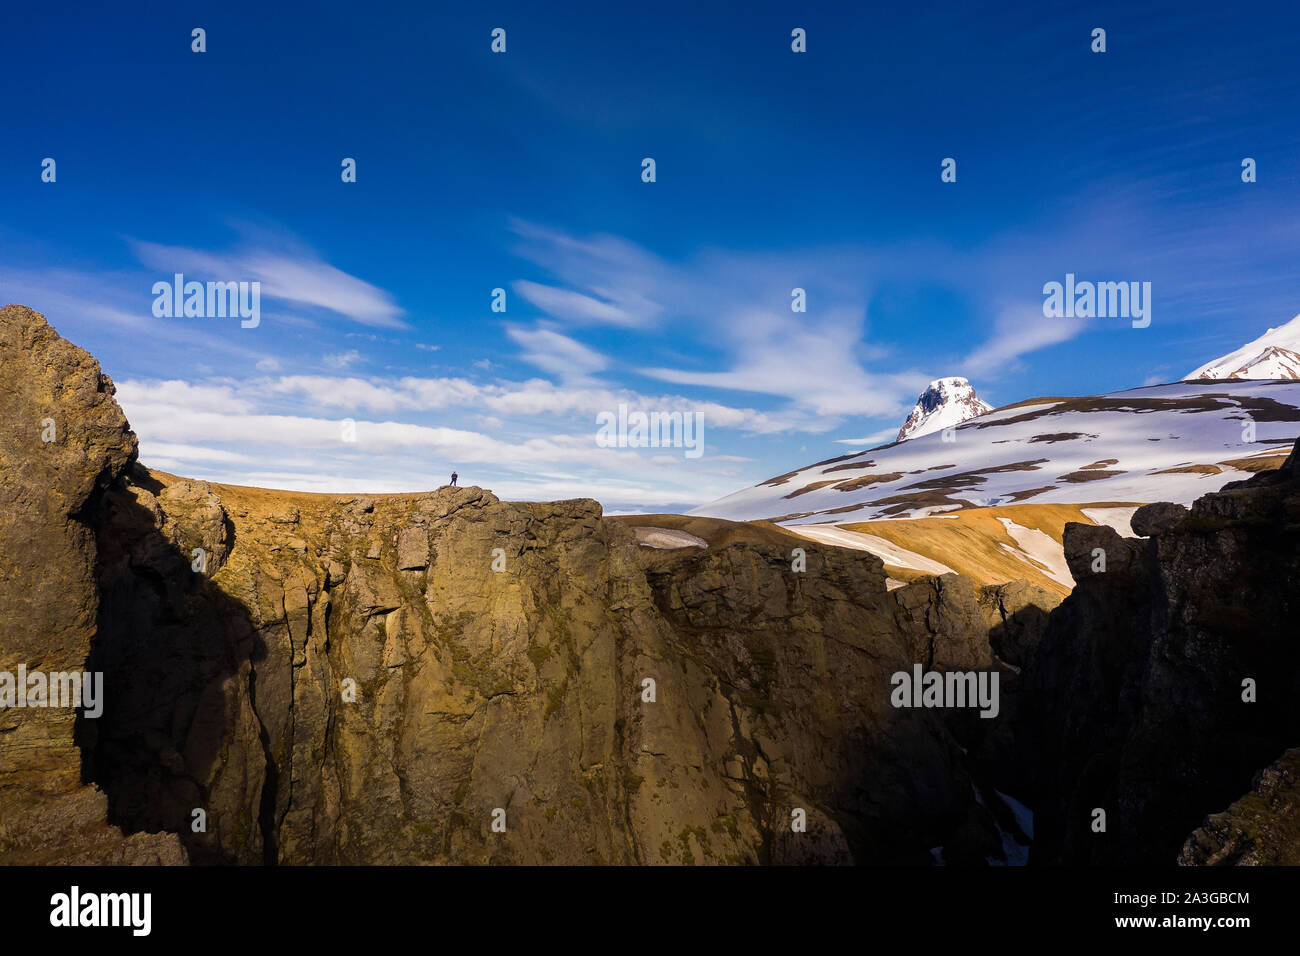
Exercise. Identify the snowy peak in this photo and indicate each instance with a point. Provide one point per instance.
(1275, 355)
(947, 402)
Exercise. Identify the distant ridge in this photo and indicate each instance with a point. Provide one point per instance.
(1275, 355)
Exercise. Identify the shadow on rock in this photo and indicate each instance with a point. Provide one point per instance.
(179, 657)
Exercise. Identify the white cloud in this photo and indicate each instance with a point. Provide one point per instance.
(514, 400)
(556, 353)
(299, 276)
(95, 307)
(728, 304)
(341, 360)
(157, 451)
(223, 431)
(1018, 332)
(813, 364)
(875, 438)
(174, 393)
(619, 282)
(573, 306)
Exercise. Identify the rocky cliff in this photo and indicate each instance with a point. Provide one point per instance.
(1169, 679)
(449, 678)
(64, 439)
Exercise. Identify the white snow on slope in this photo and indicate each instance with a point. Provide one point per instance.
(1045, 451)
(1117, 518)
(1275, 354)
(1040, 548)
(886, 551)
(667, 538)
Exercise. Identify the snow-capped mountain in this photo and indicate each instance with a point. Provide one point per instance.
(946, 403)
(1162, 443)
(1275, 354)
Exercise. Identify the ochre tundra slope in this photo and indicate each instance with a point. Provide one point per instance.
(993, 545)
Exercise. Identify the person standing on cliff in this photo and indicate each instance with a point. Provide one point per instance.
(453, 479)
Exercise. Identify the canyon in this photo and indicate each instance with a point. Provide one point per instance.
(347, 679)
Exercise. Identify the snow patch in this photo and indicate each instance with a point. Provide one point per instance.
(1041, 549)
(886, 551)
(1117, 518)
(667, 538)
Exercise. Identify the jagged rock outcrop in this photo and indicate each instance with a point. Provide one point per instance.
(1260, 829)
(65, 439)
(1157, 518)
(449, 678)
(1169, 676)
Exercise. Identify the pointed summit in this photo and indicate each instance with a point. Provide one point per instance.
(945, 403)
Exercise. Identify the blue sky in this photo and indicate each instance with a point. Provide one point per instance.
(522, 170)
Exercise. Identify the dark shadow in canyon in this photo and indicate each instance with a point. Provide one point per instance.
(169, 644)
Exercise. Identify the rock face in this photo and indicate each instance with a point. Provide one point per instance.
(1169, 676)
(449, 678)
(1260, 829)
(521, 689)
(946, 403)
(1156, 518)
(65, 439)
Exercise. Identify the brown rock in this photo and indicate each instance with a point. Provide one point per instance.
(65, 440)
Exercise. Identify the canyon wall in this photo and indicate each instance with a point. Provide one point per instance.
(1169, 679)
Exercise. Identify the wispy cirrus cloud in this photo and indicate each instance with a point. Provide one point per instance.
(1018, 332)
(814, 365)
(573, 306)
(730, 312)
(733, 313)
(610, 280)
(292, 274)
(556, 353)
